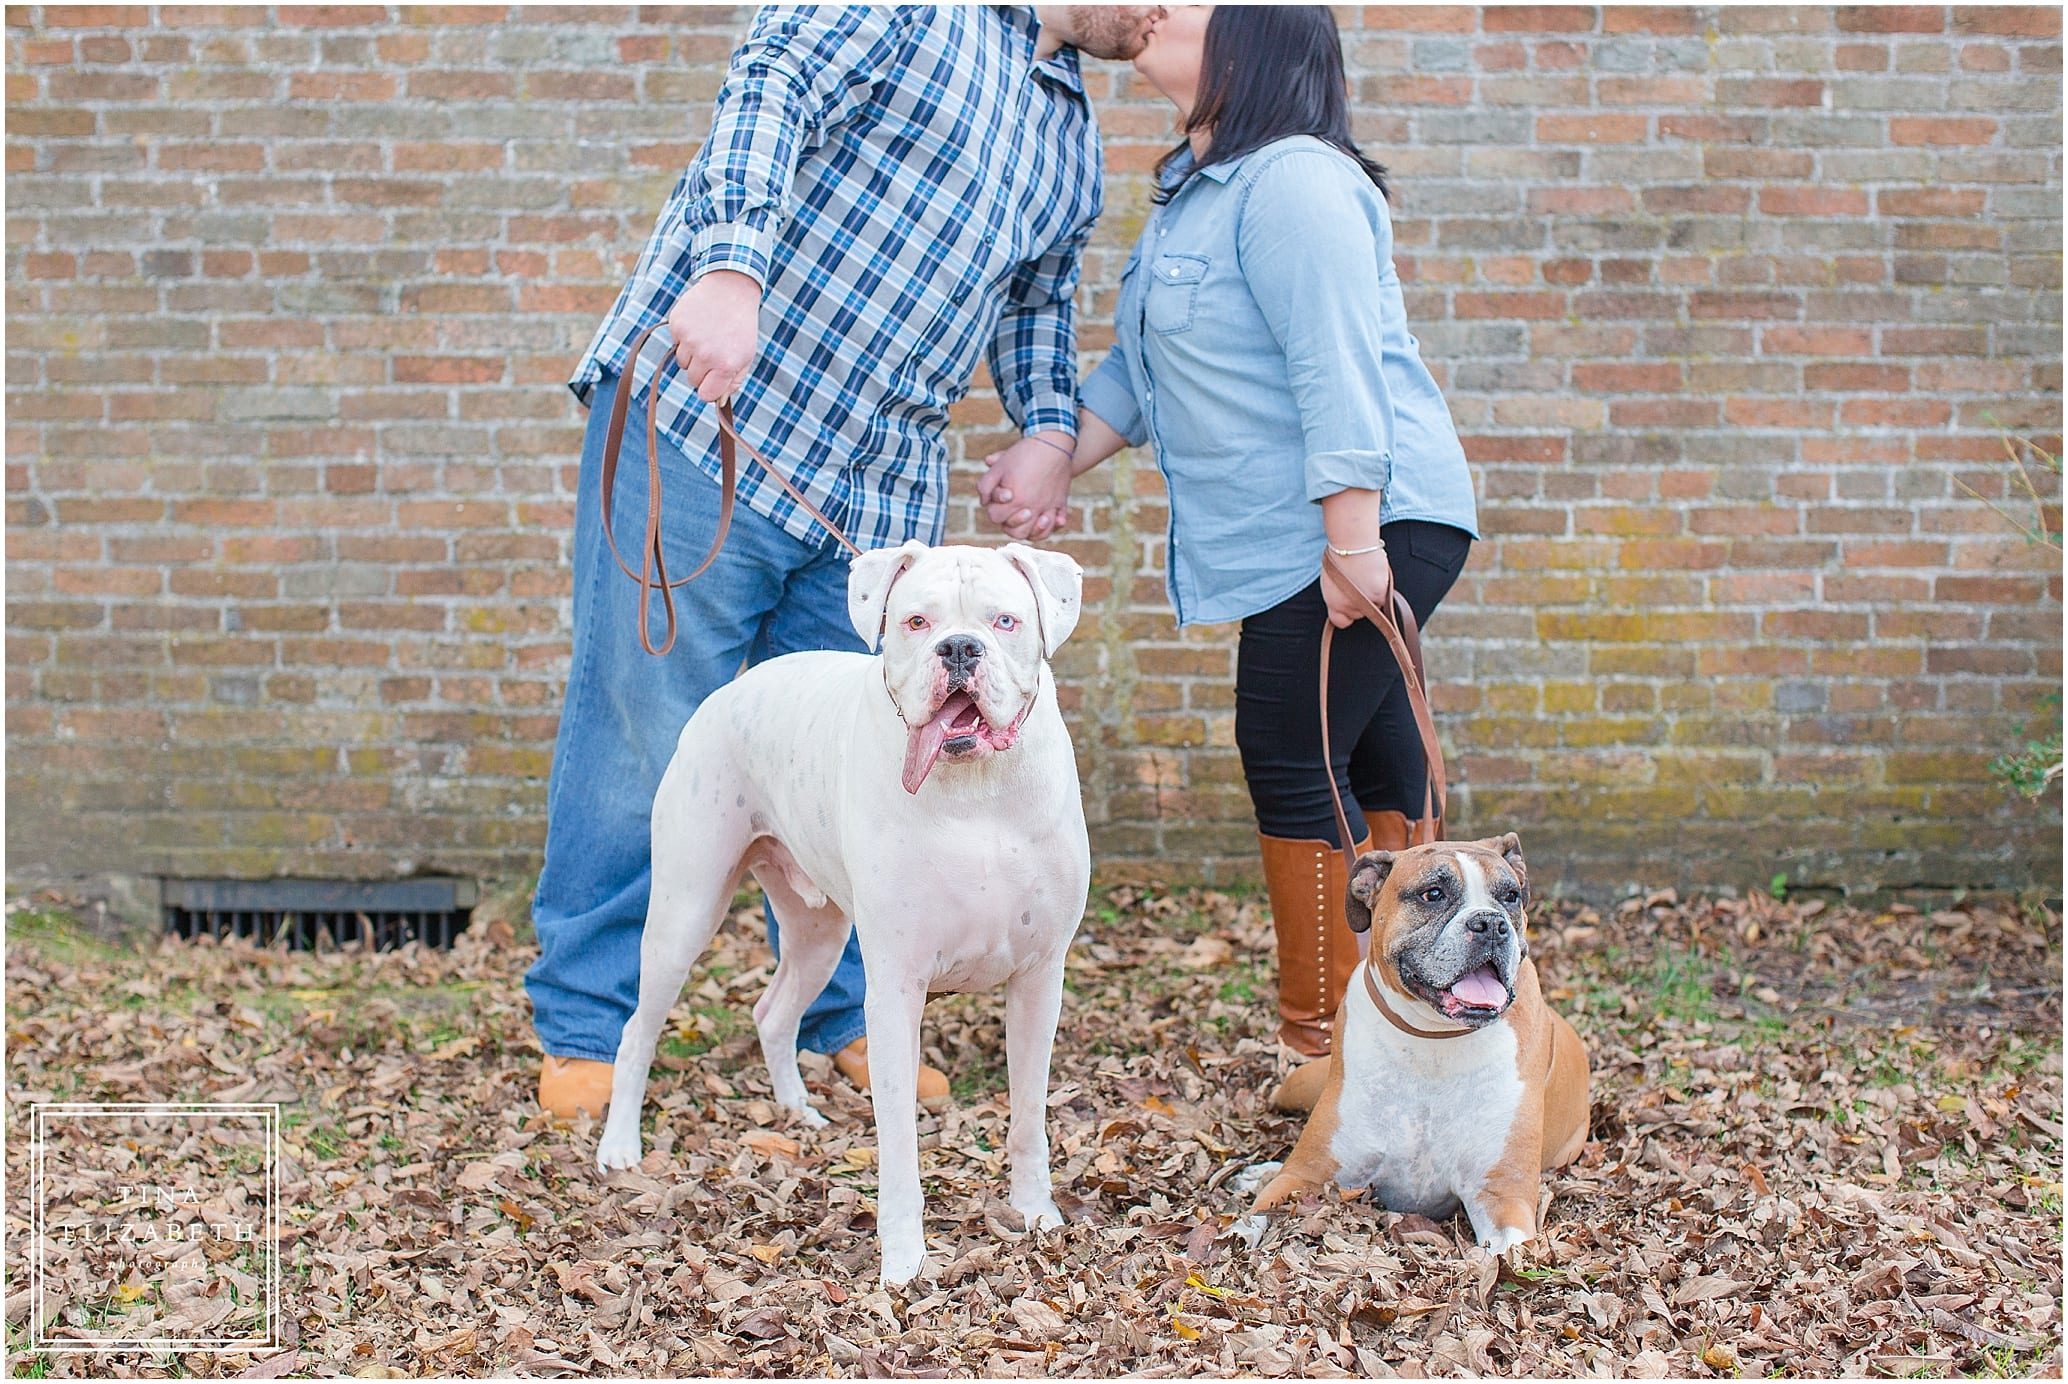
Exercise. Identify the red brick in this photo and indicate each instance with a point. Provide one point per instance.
(1812, 201)
(1650, 19)
(332, 16)
(1930, 201)
(1855, 378)
(1764, 92)
(1941, 130)
(1516, 19)
(2012, 21)
(1592, 129)
(1445, 19)
(1892, 19)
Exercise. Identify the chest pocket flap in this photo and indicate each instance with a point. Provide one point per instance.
(1174, 291)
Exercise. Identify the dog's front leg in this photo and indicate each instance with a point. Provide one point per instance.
(1033, 1001)
(1503, 1210)
(893, 1010)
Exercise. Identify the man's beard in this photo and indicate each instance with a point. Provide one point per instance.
(1108, 31)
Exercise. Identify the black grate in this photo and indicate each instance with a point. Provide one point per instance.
(303, 914)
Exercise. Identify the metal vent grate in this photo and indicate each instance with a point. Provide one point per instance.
(296, 913)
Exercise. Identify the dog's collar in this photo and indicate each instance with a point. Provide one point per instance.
(1371, 987)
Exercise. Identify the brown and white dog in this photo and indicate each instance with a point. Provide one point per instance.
(1452, 1081)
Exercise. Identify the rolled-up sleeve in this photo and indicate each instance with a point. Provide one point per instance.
(1109, 393)
(1033, 353)
(801, 72)
(1310, 240)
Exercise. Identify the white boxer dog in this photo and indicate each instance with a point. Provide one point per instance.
(927, 796)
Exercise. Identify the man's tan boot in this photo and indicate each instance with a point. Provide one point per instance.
(1317, 954)
(853, 1062)
(570, 1083)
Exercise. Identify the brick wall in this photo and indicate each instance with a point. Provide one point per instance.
(1730, 304)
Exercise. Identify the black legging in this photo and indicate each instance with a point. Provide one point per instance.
(1378, 752)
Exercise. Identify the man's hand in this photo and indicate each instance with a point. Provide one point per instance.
(1373, 575)
(1025, 489)
(716, 324)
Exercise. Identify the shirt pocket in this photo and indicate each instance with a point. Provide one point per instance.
(1174, 292)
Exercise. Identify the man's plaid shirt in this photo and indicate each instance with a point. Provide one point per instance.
(913, 190)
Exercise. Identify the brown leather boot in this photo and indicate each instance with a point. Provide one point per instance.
(570, 1083)
(1392, 831)
(1317, 954)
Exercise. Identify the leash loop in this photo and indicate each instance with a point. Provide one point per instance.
(1404, 637)
(652, 575)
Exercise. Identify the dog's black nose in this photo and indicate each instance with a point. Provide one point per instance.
(960, 652)
(1480, 922)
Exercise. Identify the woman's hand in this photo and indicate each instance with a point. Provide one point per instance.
(1025, 489)
(1374, 577)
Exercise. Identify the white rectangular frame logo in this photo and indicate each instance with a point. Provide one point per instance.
(269, 1116)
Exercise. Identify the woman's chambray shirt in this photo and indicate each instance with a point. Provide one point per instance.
(1263, 348)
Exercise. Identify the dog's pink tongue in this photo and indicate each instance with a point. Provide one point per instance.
(922, 747)
(1482, 989)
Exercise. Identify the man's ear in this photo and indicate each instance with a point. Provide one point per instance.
(1509, 848)
(1367, 877)
(869, 579)
(1058, 584)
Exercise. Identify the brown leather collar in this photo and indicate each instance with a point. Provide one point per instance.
(1371, 987)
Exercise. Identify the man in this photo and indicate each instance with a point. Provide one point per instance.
(888, 195)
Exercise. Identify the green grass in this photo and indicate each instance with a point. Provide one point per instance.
(62, 937)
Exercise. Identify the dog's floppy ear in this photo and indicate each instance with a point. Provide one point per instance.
(1509, 848)
(1367, 877)
(1058, 584)
(869, 579)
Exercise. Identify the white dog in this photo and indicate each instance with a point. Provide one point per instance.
(927, 795)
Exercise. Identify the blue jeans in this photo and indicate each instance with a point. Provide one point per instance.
(767, 594)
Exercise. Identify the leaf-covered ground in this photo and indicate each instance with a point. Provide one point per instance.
(1824, 1141)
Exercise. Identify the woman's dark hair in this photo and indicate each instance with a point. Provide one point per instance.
(1270, 71)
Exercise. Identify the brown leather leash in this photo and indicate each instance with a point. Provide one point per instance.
(1404, 637)
(653, 574)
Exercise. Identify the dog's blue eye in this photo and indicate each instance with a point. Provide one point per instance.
(1007, 622)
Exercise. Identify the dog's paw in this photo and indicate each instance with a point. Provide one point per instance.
(1248, 1229)
(616, 1150)
(1252, 1179)
(902, 1263)
(807, 1115)
(1501, 1239)
(1040, 1215)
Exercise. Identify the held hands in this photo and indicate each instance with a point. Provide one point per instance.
(1373, 575)
(716, 325)
(1025, 489)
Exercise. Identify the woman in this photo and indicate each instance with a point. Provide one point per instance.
(1263, 348)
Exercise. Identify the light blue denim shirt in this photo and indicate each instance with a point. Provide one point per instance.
(1263, 349)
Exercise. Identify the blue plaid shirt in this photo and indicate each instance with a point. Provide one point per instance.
(913, 191)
